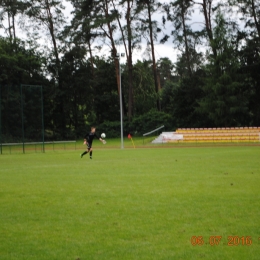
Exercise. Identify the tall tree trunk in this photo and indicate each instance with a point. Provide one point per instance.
(129, 62)
(60, 101)
(114, 54)
(153, 56)
(114, 50)
(9, 27)
(91, 59)
(13, 22)
(255, 17)
(127, 57)
(187, 51)
(207, 16)
(121, 30)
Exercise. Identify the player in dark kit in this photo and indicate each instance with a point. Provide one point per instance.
(88, 139)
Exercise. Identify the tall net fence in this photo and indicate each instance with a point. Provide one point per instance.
(21, 118)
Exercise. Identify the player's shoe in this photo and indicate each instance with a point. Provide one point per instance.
(81, 155)
(90, 157)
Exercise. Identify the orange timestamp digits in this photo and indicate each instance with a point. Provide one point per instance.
(197, 241)
(236, 240)
(215, 240)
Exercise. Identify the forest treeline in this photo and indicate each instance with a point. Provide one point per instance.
(213, 82)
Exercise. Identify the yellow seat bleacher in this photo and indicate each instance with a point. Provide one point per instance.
(220, 134)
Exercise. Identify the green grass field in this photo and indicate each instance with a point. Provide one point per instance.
(131, 204)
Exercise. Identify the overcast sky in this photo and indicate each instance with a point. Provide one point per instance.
(161, 50)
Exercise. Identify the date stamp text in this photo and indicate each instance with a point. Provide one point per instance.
(218, 240)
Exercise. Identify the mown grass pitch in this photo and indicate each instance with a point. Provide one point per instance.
(131, 204)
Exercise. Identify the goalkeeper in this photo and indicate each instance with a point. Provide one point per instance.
(88, 139)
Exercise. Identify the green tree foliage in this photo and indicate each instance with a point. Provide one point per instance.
(214, 80)
(225, 99)
(180, 100)
(76, 73)
(47, 16)
(180, 95)
(106, 105)
(85, 26)
(248, 49)
(19, 64)
(99, 19)
(9, 10)
(149, 28)
(250, 14)
(165, 71)
(179, 13)
(207, 8)
(149, 121)
(145, 94)
(132, 40)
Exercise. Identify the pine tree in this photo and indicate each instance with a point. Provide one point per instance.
(150, 29)
(225, 99)
(47, 16)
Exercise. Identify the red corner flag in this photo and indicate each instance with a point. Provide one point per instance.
(130, 137)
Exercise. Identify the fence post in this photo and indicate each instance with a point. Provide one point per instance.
(43, 148)
(22, 116)
(0, 121)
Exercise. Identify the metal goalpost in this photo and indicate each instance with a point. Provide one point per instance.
(153, 131)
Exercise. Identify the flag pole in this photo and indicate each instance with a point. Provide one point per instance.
(133, 142)
(130, 137)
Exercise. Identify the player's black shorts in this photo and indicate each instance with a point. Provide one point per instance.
(89, 145)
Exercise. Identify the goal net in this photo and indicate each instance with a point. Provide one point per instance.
(21, 118)
(148, 137)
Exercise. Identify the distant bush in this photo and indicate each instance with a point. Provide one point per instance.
(149, 121)
(111, 129)
(139, 124)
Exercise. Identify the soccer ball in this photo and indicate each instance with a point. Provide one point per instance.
(103, 135)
